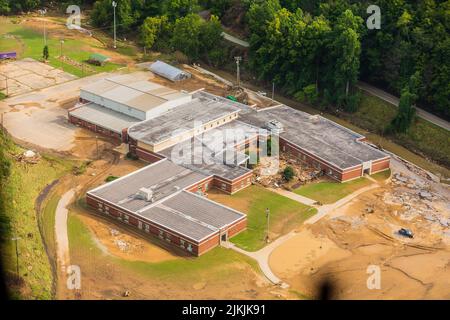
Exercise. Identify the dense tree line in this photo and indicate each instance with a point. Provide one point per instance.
(316, 50)
(310, 57)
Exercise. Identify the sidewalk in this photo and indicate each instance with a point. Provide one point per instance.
(294, 196)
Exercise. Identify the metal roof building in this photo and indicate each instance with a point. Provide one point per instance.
(169, 72)
(155, 200)
(182, 123)
(104, 117)
(133, 95)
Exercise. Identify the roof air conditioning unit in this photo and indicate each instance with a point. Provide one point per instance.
(275, 126)
(145, 194)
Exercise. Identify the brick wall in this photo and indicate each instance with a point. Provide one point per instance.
(147, 155)
(167, 236)
(208, 244)
(237, 227)
(380, 165)
(351, 174)
(95, 128)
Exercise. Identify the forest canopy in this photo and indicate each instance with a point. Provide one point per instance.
(314, 50)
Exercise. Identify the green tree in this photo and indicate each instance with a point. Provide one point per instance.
(406, 112)
(288, 173)
(153, 29)
(186, 35)
(45, 53)
(178, 8)
(346, 50)
(210, 36)
(102, 15)
(197, 38)
(4, 7)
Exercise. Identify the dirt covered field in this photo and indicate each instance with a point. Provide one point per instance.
(342, 246)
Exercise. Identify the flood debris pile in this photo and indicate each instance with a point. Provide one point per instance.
(303, 173)
(419, 204)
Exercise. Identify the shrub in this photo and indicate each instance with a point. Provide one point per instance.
(111, 178)
(288, 173)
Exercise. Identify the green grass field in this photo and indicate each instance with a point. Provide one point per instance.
(330, 192)
(30, 44)
(423, 137)
(215, 264)
(22, 188)
(285, 215)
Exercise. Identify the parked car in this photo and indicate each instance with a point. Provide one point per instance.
(406, 233)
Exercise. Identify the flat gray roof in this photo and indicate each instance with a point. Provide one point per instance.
(192, 215)
(323, 138)
(164, 178)
(213, 153)
(180, 119)
(104, 117)
(133, 90)
(173, 207)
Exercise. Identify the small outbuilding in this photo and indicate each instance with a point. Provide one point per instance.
(169, 72)
(98, 59)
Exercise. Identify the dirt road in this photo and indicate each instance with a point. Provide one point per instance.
(61, 238)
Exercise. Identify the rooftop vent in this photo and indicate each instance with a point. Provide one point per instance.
(275, 126)
(145, 194)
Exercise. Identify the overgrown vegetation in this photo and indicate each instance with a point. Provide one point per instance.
(21, 184)
(316, 50)
(422, 137)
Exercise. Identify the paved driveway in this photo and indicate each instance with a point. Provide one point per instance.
(39, 118)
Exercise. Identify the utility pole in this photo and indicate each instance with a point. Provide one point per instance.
(268, 218)
(16, 239)
(238, 71)
(45, 32)
(114, 4)
(96, 143)
(6, 84)
(61, 55)
(273, 89)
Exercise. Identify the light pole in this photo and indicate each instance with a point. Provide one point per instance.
(16, 239)
(238, 71)
(61, 54)
(114, 4)
(273, 89)
(96, 144)
(268, 219)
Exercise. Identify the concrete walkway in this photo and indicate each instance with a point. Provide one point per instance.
(262, 256)
(294, 196)
(61, 237)
(326, 209)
